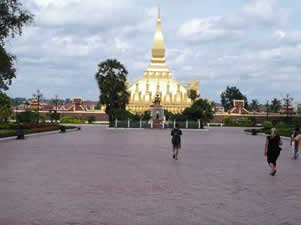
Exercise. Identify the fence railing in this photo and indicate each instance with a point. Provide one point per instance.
(150, 124)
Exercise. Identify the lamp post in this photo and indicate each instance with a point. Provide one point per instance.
(38, 95)
(56, 102)
(17, 114)
(267, 109)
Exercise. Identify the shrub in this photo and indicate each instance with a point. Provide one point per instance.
(91, 119)
(281, 125)
(178, 117)
(7, 133)
(5, 114)
(27, 117)
(147, 115)
(286, 132)
(267, 124)
(29, 129)
(227, 121)
(53, 116)
(253, 120)
(296, 122)
(244, 122)
(136, 117)
(42, 119)
(66, 119)
(122, 114)
(4, 126)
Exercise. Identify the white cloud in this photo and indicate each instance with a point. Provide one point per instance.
(205, 29)
(253, 14)
(265, 12)
(249, 46)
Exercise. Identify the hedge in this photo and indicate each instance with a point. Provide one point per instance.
(10, 133)
(285, 132)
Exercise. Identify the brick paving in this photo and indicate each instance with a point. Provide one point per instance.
(127, 177)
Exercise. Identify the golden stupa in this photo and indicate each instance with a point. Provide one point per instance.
(158, 80)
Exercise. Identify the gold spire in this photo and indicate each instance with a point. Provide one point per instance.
(158, 68)
(158, 50)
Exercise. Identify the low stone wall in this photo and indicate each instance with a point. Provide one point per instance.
(218, 118)
(260, 118)
(100, 116)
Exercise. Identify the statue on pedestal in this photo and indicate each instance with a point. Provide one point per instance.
(157, 111)
(157, 100)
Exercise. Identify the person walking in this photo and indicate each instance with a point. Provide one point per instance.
(176, 134)
(272, 150)
(294, 143)
(298, 140)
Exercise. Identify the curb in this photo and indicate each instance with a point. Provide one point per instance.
(123, 128)
(36, 134)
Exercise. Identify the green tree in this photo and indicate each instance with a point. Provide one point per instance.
(201, 109)
(68, 101)
(27, 117)
(98, 106)
(193, 95)
(122, 114)
(146, 115)
(5, 110)
(17, 101)
(167, 114)
(254, 105)
(12, 20)
(111, 79)
(230, 94)
(275, 105)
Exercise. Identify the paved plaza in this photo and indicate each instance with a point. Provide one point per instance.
(99, 176)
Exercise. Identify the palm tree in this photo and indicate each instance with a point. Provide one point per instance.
(111, 79)
(254, 105)
(193, 95)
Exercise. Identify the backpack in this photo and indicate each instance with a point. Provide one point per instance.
(176, 139)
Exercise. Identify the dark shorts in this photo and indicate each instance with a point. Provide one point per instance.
(272, 157)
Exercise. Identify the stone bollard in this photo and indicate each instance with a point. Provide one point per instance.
(63, 129)
(20, 133)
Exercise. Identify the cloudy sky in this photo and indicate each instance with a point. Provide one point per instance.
(252, 44)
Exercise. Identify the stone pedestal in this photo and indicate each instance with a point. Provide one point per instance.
(156, 124)
(157, 113)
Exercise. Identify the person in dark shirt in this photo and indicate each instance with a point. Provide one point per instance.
(272, 150)
(176, 134)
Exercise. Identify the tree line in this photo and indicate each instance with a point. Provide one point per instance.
(273, 106)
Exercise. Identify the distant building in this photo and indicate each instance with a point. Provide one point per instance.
(262, 109)
(287, 110)
(219, 108)
(239, 107)
(90, 105)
